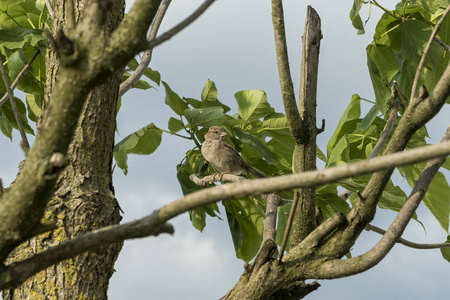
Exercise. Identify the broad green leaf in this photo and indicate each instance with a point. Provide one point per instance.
(352, 112)
(258, 145)
(252, 104)
(209, 92)
(205, 116)
(329, 202)
(144, 141)
(437, 198)
(17, 38)
(446, 251)
(175, 125)
(34, 104)
(383, 65)
(340, 152)
(140, 84)
(246, 226)
(9, 122)
(355, 17)
(17, 13)
(369, 118)
(275, 121)
(283, 215)
(28, 83)
(174, 101)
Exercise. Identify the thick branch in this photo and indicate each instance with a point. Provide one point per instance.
(284, 73)
(13, 275)
(305, 152)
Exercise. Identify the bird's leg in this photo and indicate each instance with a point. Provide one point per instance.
(220, 175)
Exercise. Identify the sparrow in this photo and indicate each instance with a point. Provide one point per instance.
(224, 158)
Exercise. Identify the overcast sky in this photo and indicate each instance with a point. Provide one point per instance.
(232, 44)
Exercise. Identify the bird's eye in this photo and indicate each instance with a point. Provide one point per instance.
(216, 131)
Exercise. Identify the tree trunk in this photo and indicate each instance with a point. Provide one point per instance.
(84, 195)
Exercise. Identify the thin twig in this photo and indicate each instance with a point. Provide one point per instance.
(409, 243)
(183, 24)
(50, 9)
(288, 227)
(19, 76)
(147, 57)
(425, 52)
(9, 91)
(441, 42)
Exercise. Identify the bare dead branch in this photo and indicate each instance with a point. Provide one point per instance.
(147, 57)
(425, 52)
(10, 94)
(183, 24)
(288, 227)
(409, 243)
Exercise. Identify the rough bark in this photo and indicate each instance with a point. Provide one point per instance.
(84, 196)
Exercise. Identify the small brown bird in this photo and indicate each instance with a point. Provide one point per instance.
(223, 157)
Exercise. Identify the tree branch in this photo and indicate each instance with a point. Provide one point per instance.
(337, 268)
(50, 9)
(305, 152)
(17, 273)
(425, 53)
(186, 22)
(155, 223)
(409, 243)
(284, 73)
(9, 91)
(147, 57)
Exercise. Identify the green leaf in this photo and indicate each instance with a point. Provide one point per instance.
(209, 92)
(34, 104)
(144, 141)
(369, 118)
(140, 84)
(355, 17)
(246, 226)
(383, 65)
(252, 104)
(175, 125)
(275, 121)
(9, 122)
(329, 201)
(446, 251)
(351, 113)
(283, 215)
(18, 13)
(17, 38)
(28, 83)
(258, 145)
(205, 116)
(174, 101)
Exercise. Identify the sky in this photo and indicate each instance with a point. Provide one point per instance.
(232, 44)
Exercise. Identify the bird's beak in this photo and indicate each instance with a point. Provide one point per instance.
(223, 134)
